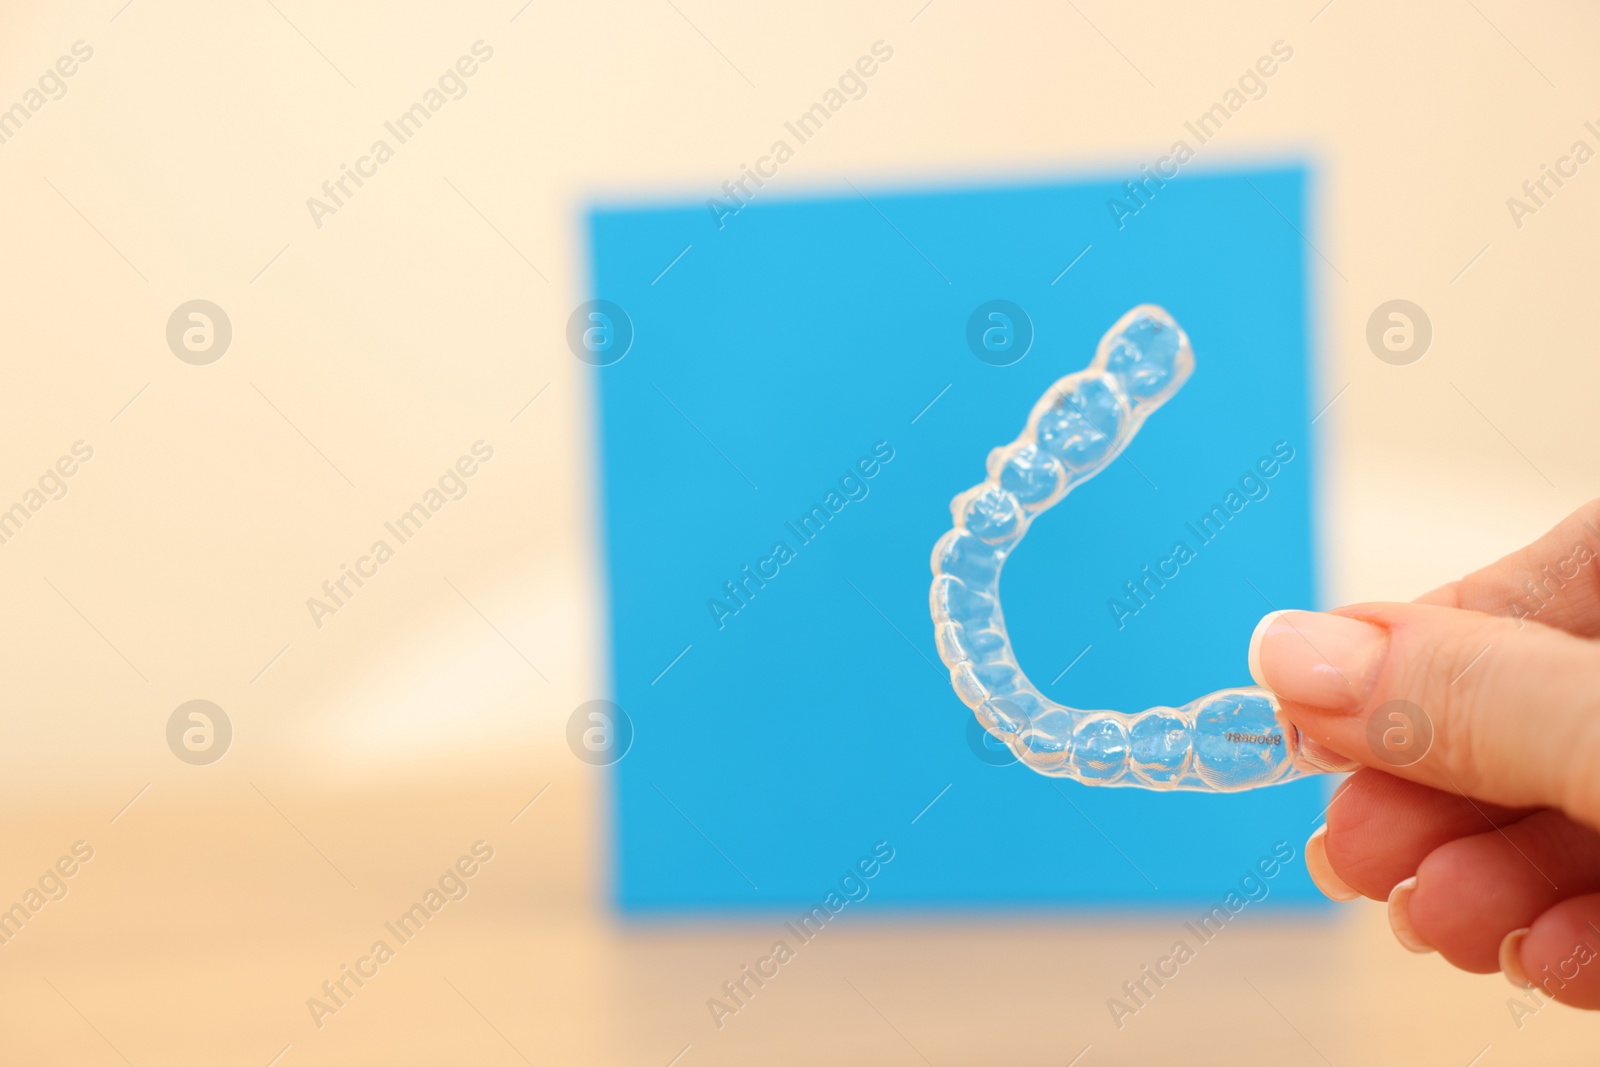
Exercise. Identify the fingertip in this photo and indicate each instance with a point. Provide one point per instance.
(1399, 907)
(1557, 955)
(1511, 958)
(1322, 875)
(1255, 647)
(1380, 828)
(1326, 661)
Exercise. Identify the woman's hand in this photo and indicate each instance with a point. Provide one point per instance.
(1476, 711)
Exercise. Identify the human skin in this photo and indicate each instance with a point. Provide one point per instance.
(1487, 847)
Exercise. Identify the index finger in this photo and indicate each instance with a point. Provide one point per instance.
(1555, 580)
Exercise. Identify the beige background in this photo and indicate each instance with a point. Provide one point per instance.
(370, 353)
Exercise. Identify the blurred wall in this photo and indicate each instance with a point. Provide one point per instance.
(373, 345)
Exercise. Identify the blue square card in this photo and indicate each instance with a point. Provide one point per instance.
(788, 401)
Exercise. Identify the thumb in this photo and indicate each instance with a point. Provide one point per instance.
(1488, 707)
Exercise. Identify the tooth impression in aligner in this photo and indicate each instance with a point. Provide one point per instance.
(1229, 740)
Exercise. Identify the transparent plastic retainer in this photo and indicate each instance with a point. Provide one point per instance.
(1230, 740)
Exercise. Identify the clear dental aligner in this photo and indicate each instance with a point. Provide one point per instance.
(1230, 740)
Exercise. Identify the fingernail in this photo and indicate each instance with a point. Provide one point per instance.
(1511, 959)
(1400, 916)
(1321, 870)
(1309, 657)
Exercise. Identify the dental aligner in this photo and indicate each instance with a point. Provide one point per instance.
(1230, 740)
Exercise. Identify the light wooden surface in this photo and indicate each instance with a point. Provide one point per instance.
(206, 921)
(430, 310)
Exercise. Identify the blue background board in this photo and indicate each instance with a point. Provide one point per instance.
(775, 353)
